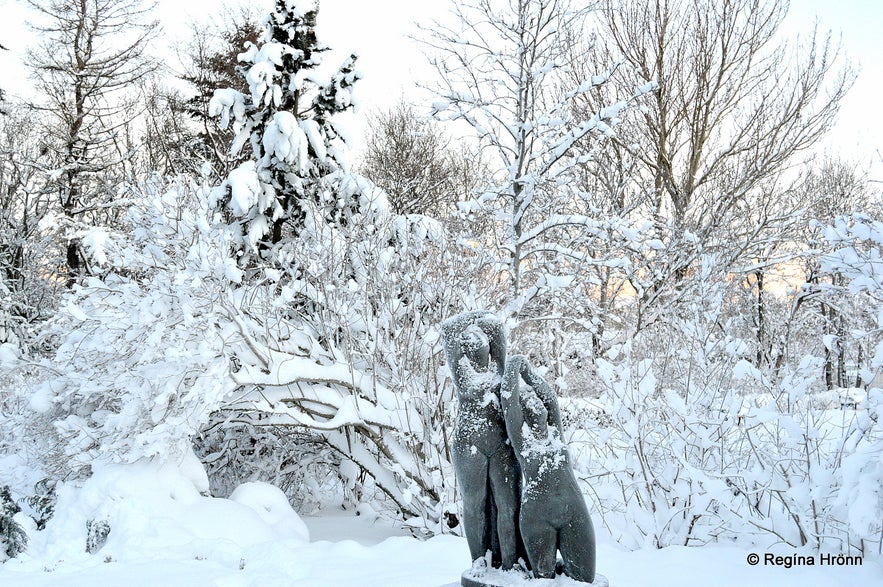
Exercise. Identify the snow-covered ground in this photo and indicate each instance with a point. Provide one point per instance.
(358, 555)
(164, 532)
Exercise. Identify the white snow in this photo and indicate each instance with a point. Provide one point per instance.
(96, 241)
(9, 356)
(226, 102)
(745, 370)
(165, 530)
(301, 7)
(285, 139)
(183, 539)
(273, 508)
(245, 188)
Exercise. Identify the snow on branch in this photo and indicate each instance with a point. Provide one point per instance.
(592, 225)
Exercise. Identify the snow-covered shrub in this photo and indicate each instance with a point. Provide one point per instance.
(42, 502)
(144, 353)
(338, 343)
(25, 437)
(700, 445)
(97, 532)
(319, 340)
(661, 453)
(671, 410)
(293, 458)
(857, 254)
(361, 360)
(339, 299)
(11, 325)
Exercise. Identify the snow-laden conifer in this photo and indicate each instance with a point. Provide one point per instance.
(13, 538)
(287, 119)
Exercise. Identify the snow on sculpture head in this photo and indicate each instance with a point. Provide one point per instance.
(476, 346)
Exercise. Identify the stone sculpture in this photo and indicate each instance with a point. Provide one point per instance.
(486, 467)
(509, 434)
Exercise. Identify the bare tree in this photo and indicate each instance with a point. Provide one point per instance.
(734, 109)
(421, 169)
(27, 293)
(834, 188)
(91, 56)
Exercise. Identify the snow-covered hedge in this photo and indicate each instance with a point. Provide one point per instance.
(691, 443)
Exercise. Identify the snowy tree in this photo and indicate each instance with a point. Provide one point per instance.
(327, 344)
(735, 107)
(833, 189)
(502, 69)
(341, 321)
(91, 55)
(180, 135)
(2, 93)
(421, 170)
(28, 291)
(287, 121)
(125, 396)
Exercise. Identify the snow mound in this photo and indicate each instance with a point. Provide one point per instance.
(135, 511)
(9, 356)
(273, 508)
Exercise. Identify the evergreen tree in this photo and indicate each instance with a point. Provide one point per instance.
(287, 120)
(13, 539)
(209, 64)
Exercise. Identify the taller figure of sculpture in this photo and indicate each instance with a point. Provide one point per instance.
(553, 515)
(487, 469)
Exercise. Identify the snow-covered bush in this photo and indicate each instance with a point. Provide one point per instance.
(690, 442)
(172, 341)
(339, 298)
(11, 322)
(360, 358)
(295, 459)
(144, 352)
(663, 451)
(857, 254)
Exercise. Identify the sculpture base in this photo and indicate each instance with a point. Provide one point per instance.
(484, 577)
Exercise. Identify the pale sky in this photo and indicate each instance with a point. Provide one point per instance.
(377, 30)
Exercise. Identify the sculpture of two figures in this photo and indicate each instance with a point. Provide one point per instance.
(521, 501)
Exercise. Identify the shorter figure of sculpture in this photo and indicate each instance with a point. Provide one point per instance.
(521, 501)
(554, 517)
